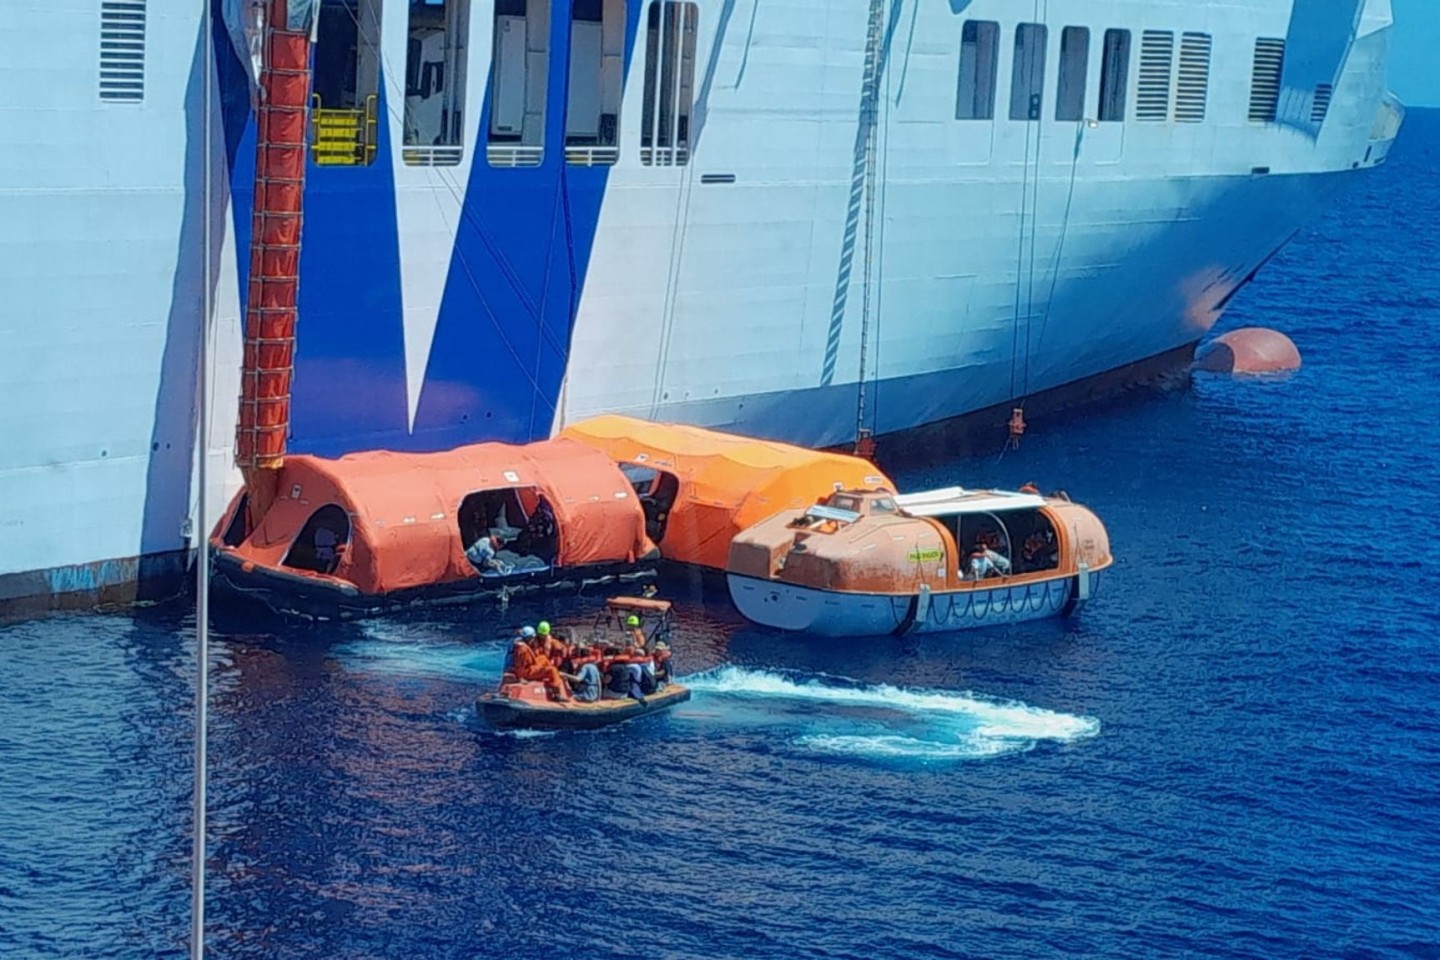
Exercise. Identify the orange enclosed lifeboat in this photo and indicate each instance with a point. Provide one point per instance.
(375, 531)
(869, 562)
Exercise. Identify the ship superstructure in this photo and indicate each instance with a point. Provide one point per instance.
(734, 213)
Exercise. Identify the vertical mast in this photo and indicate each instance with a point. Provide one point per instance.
(201, 527)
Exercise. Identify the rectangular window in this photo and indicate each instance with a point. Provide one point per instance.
(1114, 75)
(670, 28)
(1265, 80)
(592, 103)
(1074, 64)
(979, 63)
(122, 50)
(437, 51)
(1157, 59)
(1192, 81)
(345, 84)
(1027, 78)
(519, 77)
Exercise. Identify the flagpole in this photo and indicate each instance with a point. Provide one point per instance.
(202, 529)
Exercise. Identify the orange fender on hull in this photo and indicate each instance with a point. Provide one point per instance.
(1249, 350)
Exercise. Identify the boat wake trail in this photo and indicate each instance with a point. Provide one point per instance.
(447, 661)
(885, 722)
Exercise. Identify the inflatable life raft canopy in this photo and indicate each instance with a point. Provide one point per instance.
(404, 520)
(699, 488)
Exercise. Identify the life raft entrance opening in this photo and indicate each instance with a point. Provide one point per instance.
(657, 490)
(321, 541)
(520, 518)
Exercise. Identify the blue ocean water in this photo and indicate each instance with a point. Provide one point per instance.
(1234, 752)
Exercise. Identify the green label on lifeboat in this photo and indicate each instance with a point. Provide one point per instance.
(929, 553)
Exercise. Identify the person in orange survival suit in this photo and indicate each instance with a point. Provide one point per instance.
(528, 663)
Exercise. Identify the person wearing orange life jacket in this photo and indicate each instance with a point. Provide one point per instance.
(556, 649)
(529, 664)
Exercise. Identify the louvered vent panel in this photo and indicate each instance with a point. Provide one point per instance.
(1265, 81)
(122, 50)
(1192, 84)
(1321, 106)
(1157, 55)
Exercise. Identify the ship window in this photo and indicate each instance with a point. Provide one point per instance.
(518, 522)
(1320, 106)
(1265, 80)
(1192, 82)
(519, 76)
(1074, 64)
(321, 542)
(436, 52)
(1157, 57)
(122, 50)
(979, 62)
(1027, 78)
(670, 29)
(1114, 74)
(597, 60)
(344, 115)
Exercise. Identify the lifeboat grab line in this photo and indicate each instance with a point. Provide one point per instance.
(276, 217)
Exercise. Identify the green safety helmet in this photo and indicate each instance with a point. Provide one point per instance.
(544, 628)
(632, 621)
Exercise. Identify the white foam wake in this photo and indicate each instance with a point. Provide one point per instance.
(937, 724)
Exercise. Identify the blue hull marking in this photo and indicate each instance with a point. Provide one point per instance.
(522, 247)
(517, 268)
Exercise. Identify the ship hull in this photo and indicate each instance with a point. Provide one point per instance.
(445, 297)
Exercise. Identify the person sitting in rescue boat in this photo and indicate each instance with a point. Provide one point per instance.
(582, 670)
(623, 677)
(555, 648)
(482, 555)
(662, 664)
(636, 632)
(529, 664)
(985, 562)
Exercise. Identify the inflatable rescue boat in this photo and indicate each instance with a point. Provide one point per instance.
(373, 532)
(869, 562)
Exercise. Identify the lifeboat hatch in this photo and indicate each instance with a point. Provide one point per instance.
(238, 528)
(1025, 538)
(321, 542)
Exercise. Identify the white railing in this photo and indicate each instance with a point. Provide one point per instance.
(432, 156)
(592, 156)
(514, 155)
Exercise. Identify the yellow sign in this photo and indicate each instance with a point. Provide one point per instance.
(931, 553)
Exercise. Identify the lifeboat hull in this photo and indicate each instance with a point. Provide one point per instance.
(307, 597)
(828, 613)
(502, 711)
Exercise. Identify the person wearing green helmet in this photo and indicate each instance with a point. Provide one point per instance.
(638, 640)
(553, 646)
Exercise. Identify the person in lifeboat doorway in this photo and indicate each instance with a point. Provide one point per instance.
(985, 560)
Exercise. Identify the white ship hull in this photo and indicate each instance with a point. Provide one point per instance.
(447, 298)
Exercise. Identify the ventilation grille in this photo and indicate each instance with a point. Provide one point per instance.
(1265, 82)
(1321, 106)
(122, 50)
(1157, 54)
(1192, 85)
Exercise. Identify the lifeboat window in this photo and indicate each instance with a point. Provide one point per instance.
(842, 501)
(657, 491)
(597, 60)
(1074, 65)
(436, 54)
(883, 505)
(344, 100)
(238, 528)
(670, 28)
(1114, 74)
(1027, 77)
(321, 541)
(510, 530)
(979, 63)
